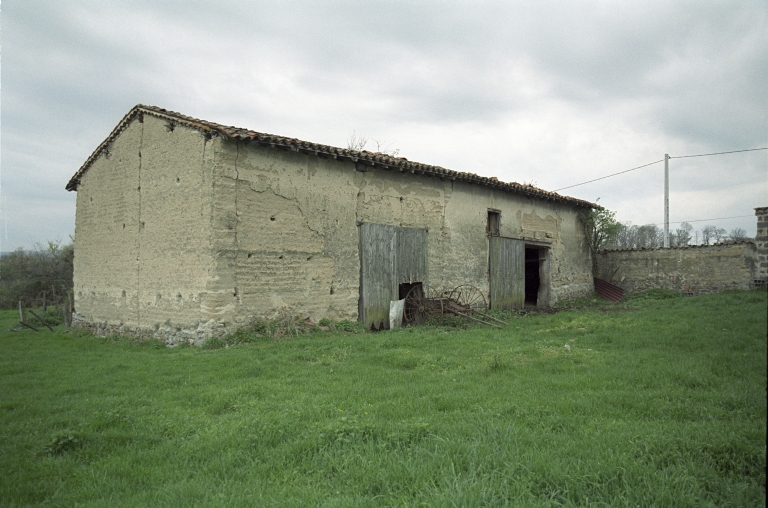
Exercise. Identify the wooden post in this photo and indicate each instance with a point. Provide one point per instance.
(41, 319)
(45, 302)
(21, 312)
(29, 326)
(64, 316)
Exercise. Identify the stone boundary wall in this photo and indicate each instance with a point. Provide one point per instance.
(761, 241)
(690, 270)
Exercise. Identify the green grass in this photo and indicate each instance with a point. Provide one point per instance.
(659, 402)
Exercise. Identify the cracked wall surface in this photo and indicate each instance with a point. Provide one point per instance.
(182, 236)
(286, 231)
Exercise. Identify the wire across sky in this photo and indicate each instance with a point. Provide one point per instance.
(658, 161)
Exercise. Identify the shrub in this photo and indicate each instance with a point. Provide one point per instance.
(25, 275)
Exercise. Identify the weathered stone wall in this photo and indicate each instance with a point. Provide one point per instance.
(285, 235)
(692, 270)
(761, 242)
(465, 244)
(143, 256)
(285, 232)
(180, 236)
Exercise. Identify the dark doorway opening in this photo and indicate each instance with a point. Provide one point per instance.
(404, 288)
(532, 278)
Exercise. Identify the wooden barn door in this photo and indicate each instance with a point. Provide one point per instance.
(389, 256)
(507, 273)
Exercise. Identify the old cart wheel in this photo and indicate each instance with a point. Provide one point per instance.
(420, 303)
(469, 297)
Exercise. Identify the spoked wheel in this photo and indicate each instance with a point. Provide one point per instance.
(469, 297)
(421, 302)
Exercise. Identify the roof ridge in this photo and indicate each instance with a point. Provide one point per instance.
(363, 158)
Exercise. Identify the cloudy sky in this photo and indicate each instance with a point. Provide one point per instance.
(554, 93)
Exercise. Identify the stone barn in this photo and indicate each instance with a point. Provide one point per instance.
(187, 229)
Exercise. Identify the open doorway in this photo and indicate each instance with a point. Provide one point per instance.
(532, 276)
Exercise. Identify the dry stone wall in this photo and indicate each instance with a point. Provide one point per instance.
(690, 270)
(761, 242)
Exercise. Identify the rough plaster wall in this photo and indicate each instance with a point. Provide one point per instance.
(691, 270)
(143, 248)
(174, 241)
(466, 260)
(285, 234)
(390, 197)
(176, 231)
(106, 234)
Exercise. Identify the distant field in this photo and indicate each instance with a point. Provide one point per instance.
(658, 402)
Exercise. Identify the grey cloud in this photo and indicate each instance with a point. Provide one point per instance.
(71, 70)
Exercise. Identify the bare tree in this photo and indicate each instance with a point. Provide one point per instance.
(682, 235)
(720, 235)
(649, 236)
(626, 237)
(708, 234)
(737, 235)
(357, 142)
(384, 148)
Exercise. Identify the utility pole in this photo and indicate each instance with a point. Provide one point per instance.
(666, 200)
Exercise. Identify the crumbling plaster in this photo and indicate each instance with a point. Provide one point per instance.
(183, 236)
(296, 223)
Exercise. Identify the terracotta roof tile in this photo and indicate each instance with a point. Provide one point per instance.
(361, 157)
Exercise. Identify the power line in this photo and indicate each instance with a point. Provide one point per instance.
(717, 153)
(656, 162)
(703, 220)
(608, 176)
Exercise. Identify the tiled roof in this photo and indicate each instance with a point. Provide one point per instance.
(362, 160)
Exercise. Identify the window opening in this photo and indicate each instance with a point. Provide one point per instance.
(493, 227)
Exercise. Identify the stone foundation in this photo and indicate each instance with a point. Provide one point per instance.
(172, 336)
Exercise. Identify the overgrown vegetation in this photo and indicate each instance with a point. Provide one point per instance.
(657, 401)
(600, 227)
(28, 275)
(285, 325)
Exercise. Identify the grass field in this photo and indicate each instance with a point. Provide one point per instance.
(658, 402)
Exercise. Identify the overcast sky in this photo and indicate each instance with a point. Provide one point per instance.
(554, 93)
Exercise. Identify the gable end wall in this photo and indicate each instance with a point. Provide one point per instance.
(143, 252)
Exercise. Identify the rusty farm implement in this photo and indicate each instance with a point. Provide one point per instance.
(467, 301)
